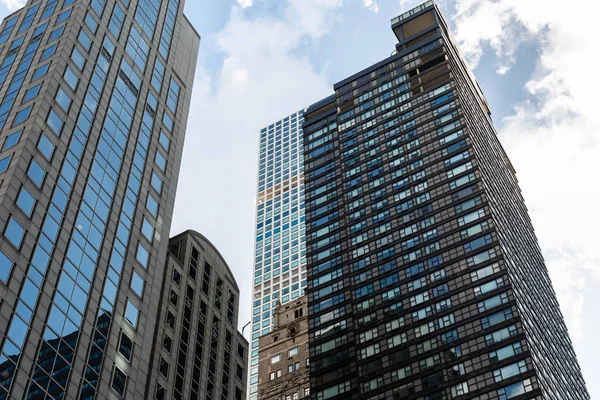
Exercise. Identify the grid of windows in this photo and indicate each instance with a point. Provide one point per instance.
(409, 248)
(279, 268)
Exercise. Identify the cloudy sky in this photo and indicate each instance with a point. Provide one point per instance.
(263, 59)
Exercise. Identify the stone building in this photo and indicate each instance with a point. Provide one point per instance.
(283, 371)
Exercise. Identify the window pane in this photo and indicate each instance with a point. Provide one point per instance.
(119, 381)
(46, 147)
(36, 173)
(71, 78)
(137, 284)
(142, 255)
(126, 346)
(41, 71)
(26, 202)
(5, 267)
(147, 229)
(63, 100)
(4, 163)
(55, 123)
(22, 115)
(131, 314)
(14, 232)
(12, 139)
(31, 93)
(156, 182)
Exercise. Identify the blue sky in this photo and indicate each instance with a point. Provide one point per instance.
(263, 59)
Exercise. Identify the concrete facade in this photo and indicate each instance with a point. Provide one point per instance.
(198, 352)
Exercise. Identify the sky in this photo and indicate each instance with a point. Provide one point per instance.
(261, 60)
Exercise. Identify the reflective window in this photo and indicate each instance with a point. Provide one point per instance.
(147, 230)
(26, 23)
(168, 122)
(12, 139)
(91, 23)
(142, 255)
(56, 33)
(160, 161)
(26, 202)
(41, 71)
(131, 314)
(119, 381)
(46, 147)
(36, 173)
(164, 141)
(173, 96)
(22, 115)
(157, 75)
(156, 182)
(31, 93)
(71, 78)
(84, 40)
(5, 267)
(137, 48)
(152, 205)
(78, 58)
(4, 163)
(116, 21)
(49, 52)
(137, 284)
(63, 100)
(54, 122)
(63, 16)
(126, 346)
(14, 232)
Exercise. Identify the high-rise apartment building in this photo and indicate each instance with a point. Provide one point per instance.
(94, 103)
(283, 371)
(425, 278)
(198, 352)
(279, 264)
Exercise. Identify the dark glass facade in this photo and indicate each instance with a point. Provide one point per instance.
(94, 99)
(425, 279)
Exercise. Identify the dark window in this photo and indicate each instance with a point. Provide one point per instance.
(160, 392)
(125, 346)
(163, 367)
(170, 320)
(173, 298)
(176, 276)
(119, 381)
(167, 343)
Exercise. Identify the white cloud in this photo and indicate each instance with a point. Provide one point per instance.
(553, 139)
(245, 3)
(371, 5)
(13, 4)
(264, 76)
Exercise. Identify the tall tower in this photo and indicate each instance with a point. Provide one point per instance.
(280, 263)
(95, 97)
(425, 278)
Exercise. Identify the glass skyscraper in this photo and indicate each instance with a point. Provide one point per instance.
(425, 278)
(279, 264)
(94, 99)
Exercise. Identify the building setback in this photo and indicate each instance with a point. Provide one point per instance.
(284, 363)
(280, 262)
(94, 100)
(198, 352)
(425, 278)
